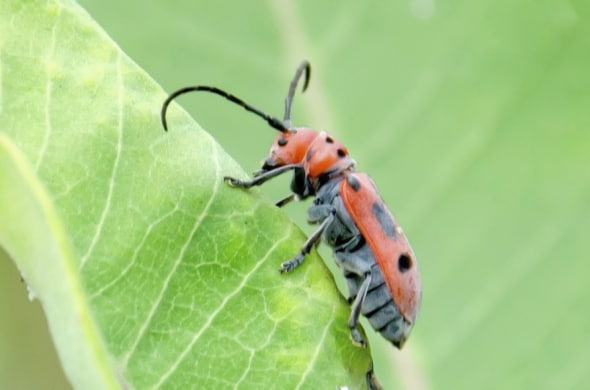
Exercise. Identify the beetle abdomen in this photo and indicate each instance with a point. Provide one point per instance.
(381, 311)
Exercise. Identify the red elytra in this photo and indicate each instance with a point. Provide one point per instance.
(368, 245)
(389, 243)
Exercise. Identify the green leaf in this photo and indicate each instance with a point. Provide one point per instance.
(34, 235)
(151, 271)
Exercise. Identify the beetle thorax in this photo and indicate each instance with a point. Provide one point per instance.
(326, 157)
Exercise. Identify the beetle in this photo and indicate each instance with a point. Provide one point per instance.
(368, 244)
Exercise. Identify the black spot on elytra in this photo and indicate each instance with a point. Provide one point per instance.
(308, 155)
(341, 153)
(282, 141)
(329, 140)
(384, 219)
(353, 183)
(404, 263)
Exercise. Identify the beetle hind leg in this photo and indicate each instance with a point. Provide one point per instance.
(355, 311)
(371, 378)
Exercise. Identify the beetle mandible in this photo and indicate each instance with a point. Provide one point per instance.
(368, 244)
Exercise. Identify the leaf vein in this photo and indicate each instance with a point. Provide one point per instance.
(218, 310)
(48, 92)
(198, 221)
(119, 148)
(253, 352)
(135, 255)
(319, 347)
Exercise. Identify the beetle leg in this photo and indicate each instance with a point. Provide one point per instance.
(371, 378)
(285, 200)
(356, 311)
(258, 180)
(309, 244)
(318, 213)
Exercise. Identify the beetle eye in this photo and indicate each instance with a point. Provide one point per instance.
(404, 263)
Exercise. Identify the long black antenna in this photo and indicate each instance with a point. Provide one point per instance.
(272, 121)
(303, 66)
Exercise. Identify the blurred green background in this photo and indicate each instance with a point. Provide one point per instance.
(472, 118)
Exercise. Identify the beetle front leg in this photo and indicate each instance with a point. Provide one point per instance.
(309, 244)
(355, 311)
(259, 179)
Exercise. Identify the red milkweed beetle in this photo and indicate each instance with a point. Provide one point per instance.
(369, 246)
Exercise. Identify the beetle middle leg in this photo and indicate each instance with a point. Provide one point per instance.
(285, 200)
(309, 244)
